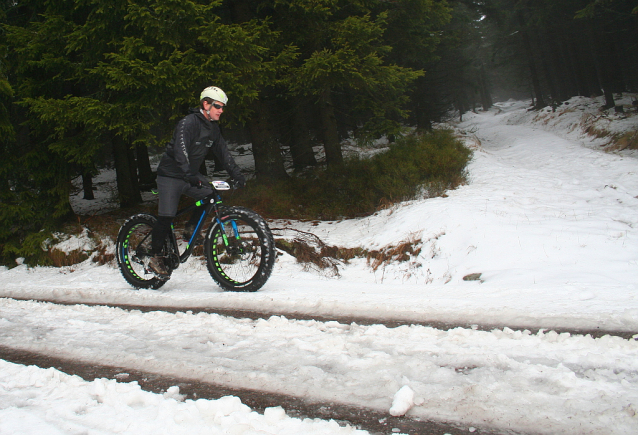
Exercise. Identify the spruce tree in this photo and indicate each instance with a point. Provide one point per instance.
(343, 54)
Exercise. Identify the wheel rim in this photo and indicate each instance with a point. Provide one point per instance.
(135, 250)
(241, 260)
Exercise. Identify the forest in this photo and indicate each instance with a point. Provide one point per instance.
(90, 83)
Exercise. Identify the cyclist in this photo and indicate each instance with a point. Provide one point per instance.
(196, 135)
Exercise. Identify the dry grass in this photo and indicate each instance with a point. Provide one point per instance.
(60, 259)
(314, 254)
(617, 141)
(626, 141)
(102, 256)
(403, 252)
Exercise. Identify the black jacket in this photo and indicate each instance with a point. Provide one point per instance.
(193, 138)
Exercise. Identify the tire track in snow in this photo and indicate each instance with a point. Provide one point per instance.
(288, 349)
(373, 421)
(254, 315)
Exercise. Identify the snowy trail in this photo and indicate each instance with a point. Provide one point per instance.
(351, 364)
(548, 221)
(258, 403)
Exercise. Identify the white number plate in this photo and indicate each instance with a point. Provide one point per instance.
(221, 185)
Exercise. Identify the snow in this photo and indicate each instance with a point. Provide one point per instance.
(403, 401)
(547, 224)
(38, 402)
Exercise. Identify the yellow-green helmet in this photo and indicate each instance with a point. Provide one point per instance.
(214, 93)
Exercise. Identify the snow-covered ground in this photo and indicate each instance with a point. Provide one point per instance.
(548, 220)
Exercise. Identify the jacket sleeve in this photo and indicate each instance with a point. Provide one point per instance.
(220, 148)
(182, 138)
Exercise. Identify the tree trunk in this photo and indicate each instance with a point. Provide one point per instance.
(334, 156)
(565, 81)
(531, 59)
(486, 98)
(300, 144)
(601, 59)
(577, 64)
(126, 174)
(269, 164)
(549, 78)
(423, 102)
(87, 185)
(146, 177)
(615, 69)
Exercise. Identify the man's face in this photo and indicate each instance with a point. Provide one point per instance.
(216, 109)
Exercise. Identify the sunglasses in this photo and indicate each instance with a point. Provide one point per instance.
(217, 106)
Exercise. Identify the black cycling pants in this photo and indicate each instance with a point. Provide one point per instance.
(170, 191)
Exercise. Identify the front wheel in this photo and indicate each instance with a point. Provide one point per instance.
(240, 250)
(133, 249)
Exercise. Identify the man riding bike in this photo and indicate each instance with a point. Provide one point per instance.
(196, 135)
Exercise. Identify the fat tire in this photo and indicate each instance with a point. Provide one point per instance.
(249, 262)
(134, 239)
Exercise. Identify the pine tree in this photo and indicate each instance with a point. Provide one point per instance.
(116, 75)
(343, 55)
(258, 74)
(420, 34)
(35, 176)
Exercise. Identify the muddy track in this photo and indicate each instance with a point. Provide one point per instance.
(371, 420)
(254, 315)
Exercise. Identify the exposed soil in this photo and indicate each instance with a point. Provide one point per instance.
(373, 421)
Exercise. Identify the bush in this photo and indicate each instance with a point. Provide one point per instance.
(415, 165)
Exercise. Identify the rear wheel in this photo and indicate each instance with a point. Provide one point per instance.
(240, 250)
(133, 252)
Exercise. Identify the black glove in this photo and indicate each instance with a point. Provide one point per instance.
(194, 181)
(239, 184)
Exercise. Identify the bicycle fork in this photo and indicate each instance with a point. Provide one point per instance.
(237, 238)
